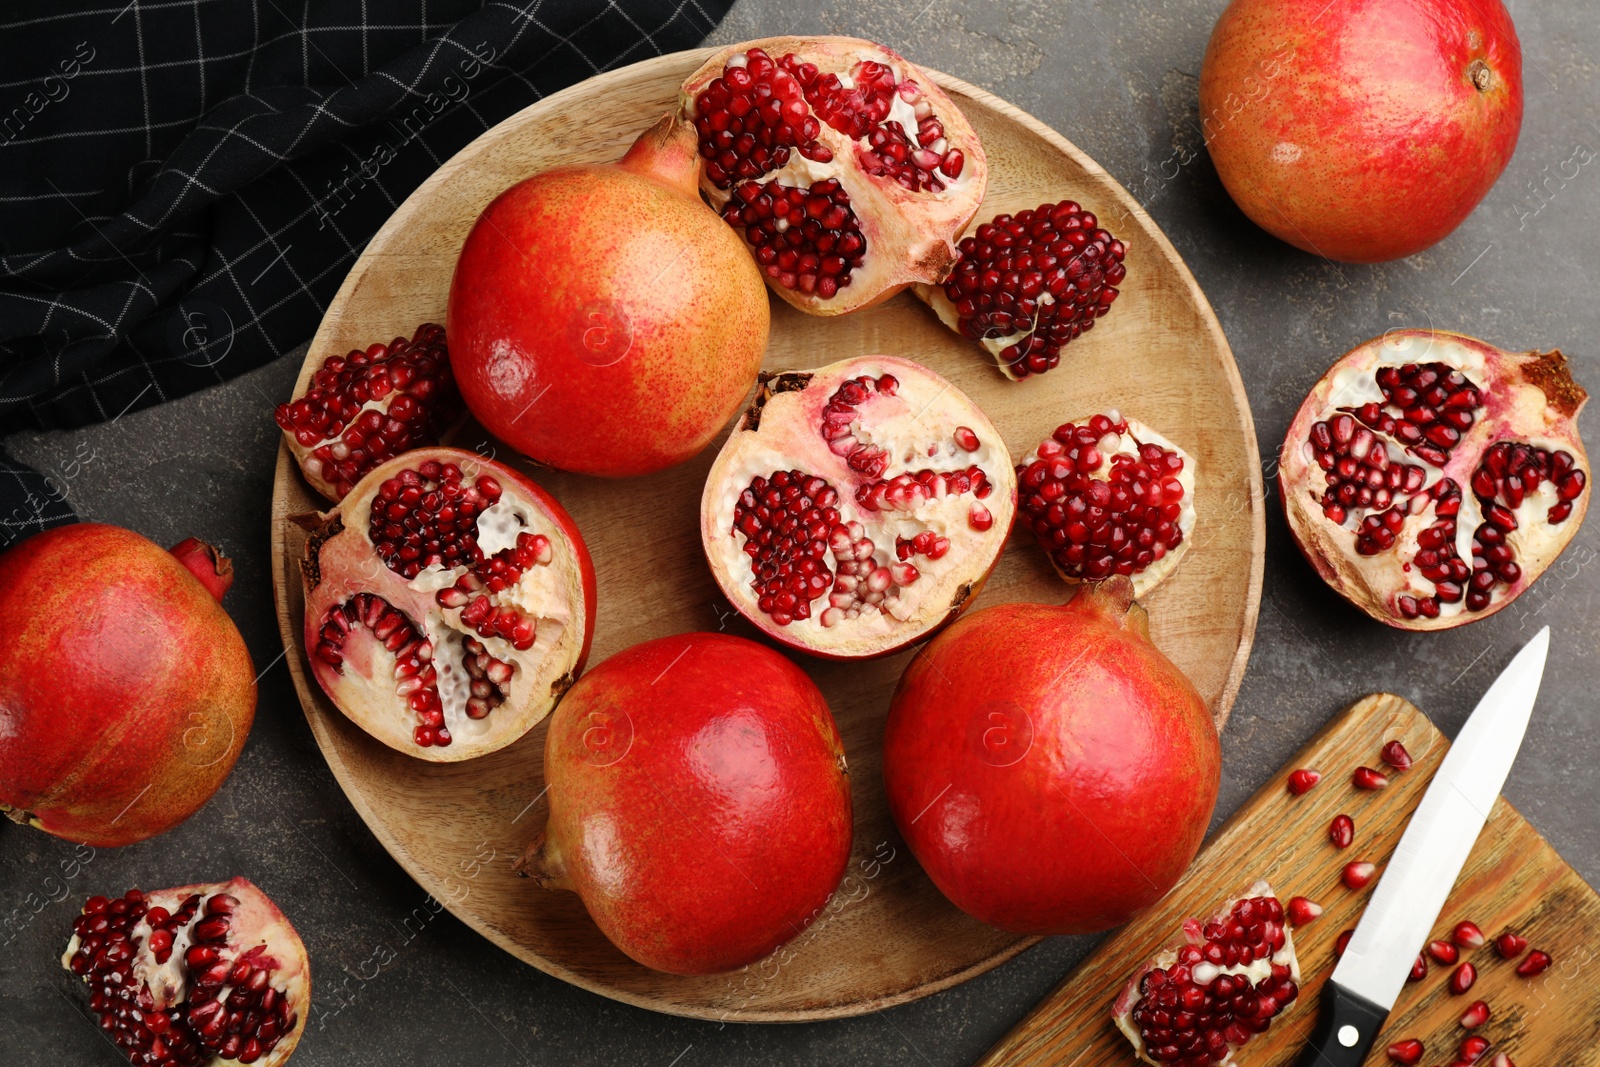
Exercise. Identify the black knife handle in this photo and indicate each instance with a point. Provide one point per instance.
(1346, 1028)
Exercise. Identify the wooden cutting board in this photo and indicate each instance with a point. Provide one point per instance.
(1513, 879)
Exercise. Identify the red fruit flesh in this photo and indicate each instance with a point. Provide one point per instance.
(1361, 132)
(1107, 495)
(1473, 1048)
(1205, 996)
(1086, 756)
(1408, 1052)
(1467, 935)
(579, 341)
(126, 692)
(449, 604)
(1537, 963)
(1357, 875)
(1444, 952)
(1342, 831)
(845, 169)
(1302, 781)
(1367, 778)
(201, 974)
(1509, 945)
(1395, 755)
(1462, 978)
(1476, 1015)
(720, 727)
(858, 507)
(1302, 910)
(1027, 284)
(353, 412)
(1430, 478)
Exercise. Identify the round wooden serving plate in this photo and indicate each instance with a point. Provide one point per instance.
(888, 936)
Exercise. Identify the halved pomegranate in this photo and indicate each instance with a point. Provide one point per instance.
(200, 974)
(1027, 284)
(449, 604)
(857, 507)
(1430, 477)
(1208, 993)
(1108, 495)
(353, 412)
(846, 168)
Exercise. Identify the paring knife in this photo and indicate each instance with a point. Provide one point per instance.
(1425, 866)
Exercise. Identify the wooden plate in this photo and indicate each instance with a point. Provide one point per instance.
(889, 937)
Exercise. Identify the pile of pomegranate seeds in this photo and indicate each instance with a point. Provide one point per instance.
(1097, 510)
(806, 239)
(1036, 281)
(231, 1010)
(1218, 993)
(370, 406)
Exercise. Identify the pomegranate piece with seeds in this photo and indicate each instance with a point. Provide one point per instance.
(848, 172)
(1207, 994)
(1107, 495)
(449, 604)
(857, 507)
(1430, 477)
(201, 974)
(353, 412)
(1027, 284)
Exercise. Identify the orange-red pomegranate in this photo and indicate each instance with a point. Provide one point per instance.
(126, 692)
(1051, 770)
(602, 319)
(699, 802)
(1362, 130)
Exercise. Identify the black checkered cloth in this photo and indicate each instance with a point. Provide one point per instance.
(184, 183)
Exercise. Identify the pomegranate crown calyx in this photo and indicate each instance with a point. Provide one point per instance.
(1113, 599)
(206, 563)
(669, 153)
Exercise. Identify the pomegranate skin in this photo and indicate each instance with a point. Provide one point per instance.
(699, 801)
(126, 692)
(1365, 130)
(602, 319)
(1050, 769)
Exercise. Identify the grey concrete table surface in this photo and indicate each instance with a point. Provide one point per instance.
(1119, 80)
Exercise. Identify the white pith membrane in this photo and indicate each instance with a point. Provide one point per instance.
(917, 427)
(550, 593)
(1114, 442)
(1194, 936)
(1389, 583)
(909, 234)
(272, 954)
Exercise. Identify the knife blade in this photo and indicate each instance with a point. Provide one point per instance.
(1425, 865)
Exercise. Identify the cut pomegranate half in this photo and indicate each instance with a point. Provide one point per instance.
(1430, 477)
(847, 169)
(1108, 495)
(201, 974)
(1214, 988)
(353, 412)
(858, 507)
(1027, 284)
(449, 604)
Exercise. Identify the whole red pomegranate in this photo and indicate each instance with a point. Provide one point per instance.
(699, 801)
(602, 319)
(197, 975)
(126, 692)
(1363, 130)
(1051, 770)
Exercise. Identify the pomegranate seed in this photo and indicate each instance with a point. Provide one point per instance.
(1358, 875)
(1419, 969)
(1341, 943)
(1367, 778)
(1473, 1048)
(1501, 1060)
(1467, 935)
(1509, 945)
(1302, 780)
(1009, 265)
(1476, 1015)
(966, 440)
(1395, 755)
(1302, 910)
(1408, 1052)
(1462, 977)
(1444, 952)
(1537, 963)
(1342, 831)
